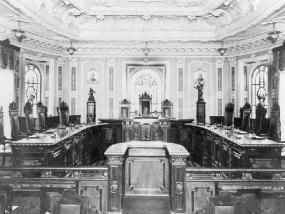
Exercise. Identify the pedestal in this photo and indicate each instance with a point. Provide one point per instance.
(201, 112)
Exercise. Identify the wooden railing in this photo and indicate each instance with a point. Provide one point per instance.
(206, 189)
(38, 190)
(240, 191)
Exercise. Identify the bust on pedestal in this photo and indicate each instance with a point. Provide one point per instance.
(201, 105)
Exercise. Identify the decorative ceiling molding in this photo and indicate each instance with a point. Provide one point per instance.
(134, 49)
(116, 19)
(120, 27)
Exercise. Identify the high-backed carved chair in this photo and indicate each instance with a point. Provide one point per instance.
(69, 203)
(166, 108)
(275, 127)
(14, 120)
(245, 116)
(41, 116)
(63, 112)
(30, 125)
(125, 108)
(260, 118)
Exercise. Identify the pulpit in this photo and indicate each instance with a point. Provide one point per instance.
(146, 177)
(166, 108)
(145, 101)
(28, 110)
(125, 108)
(63, 112)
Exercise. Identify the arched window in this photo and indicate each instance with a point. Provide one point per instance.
(33, 83)
(259, 87)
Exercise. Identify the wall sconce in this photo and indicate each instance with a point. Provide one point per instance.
(274, 34)
(19, 33)
(71, 49)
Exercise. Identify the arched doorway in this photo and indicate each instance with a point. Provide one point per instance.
(146, 80)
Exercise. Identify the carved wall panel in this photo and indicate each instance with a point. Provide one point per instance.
(147, 175)
(27, 203)
(198, 195)
(97, 195)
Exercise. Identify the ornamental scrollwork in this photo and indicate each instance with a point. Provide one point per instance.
(178, 160)
(246, 176)
(115, 160)
(277, 176)
(217, 176)
(76, 174)
(47, 174)
(179, 188)
(114, 187)
(17, 174)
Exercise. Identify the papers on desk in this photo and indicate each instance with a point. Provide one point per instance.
(49, 132)
(254, 137)
(33, 137)
(241, 132)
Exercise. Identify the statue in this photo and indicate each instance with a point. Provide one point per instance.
(199, 84)
(91, 96)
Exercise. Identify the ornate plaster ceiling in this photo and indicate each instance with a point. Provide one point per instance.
(87, 22)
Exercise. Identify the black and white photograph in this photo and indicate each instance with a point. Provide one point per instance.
(142, 106)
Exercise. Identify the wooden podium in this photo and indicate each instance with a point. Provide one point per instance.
(200, 112)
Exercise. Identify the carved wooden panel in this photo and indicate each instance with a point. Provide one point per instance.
(145, 131)
(146, 175)
(198, 195)
(27, 202)
(183, 134)
(178, 188)
(96, 191)
(114, 187)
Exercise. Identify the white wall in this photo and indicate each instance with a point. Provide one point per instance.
(190, 65)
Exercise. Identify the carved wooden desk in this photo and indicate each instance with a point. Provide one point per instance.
(223, 148)
(62, 147)
(146, 172)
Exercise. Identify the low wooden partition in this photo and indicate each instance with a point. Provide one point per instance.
(107, 190)
(214, 147)
(147, 129)
(216, 191)
(146, 177)
(42, 192)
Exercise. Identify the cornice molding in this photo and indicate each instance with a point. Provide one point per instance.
(134, 49)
